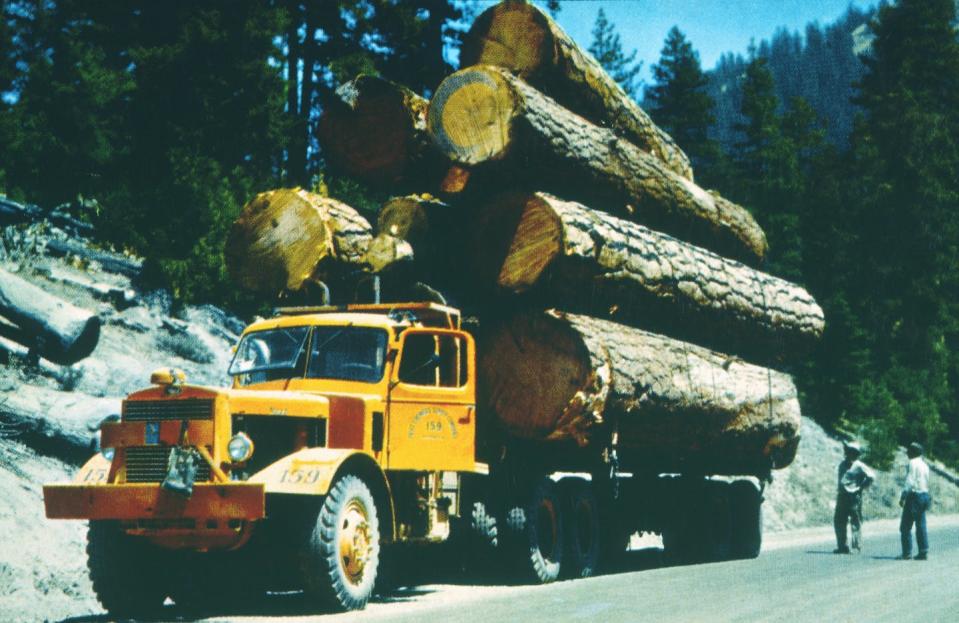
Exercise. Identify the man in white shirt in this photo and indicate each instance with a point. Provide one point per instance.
(915, 502)
(854, 477)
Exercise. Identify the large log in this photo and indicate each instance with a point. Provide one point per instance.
(553, 376)
(375, 130)
(484, 116)
(49, 326)
(285, 238)
(566, 255)
(523, 39)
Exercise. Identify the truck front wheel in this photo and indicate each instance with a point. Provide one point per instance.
(128, 574)
(747, 531)
(343, 551)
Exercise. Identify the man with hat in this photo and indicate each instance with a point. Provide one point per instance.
(915, 502)
(854, 477)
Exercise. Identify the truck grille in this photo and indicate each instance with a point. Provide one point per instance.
(190, 409)
(149, 464)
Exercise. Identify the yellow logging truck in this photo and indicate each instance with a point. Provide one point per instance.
(345, 429)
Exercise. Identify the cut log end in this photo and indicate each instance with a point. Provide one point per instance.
(368, 130)
(493, 39)
(531, 371)
(277, 241)
(536, 241)
(470, 116)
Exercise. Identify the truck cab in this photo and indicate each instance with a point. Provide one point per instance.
(351, 426)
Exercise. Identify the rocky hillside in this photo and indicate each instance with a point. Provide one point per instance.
(48, 413)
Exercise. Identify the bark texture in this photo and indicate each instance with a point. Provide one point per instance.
(375, 130)
(523, 39)
(485, 116)
(50, 326)
(286, 237)
(552, 376)
(569, 256)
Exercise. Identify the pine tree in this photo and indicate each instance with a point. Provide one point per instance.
(608, 50)
(907, 168)
(678, 101)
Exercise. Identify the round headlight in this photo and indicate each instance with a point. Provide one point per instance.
(107, 453)
(240, 448)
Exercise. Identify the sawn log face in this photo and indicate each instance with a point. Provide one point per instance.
(563, 254)
(521, 38)
(484, 116)
(285, 237)
(553, 376)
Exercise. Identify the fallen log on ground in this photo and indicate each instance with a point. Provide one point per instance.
(522, 38)
(49, 326)
(375, 130)
(568, 256)
(109, 262)
(553, 376)
(484, 116)
(287, 237)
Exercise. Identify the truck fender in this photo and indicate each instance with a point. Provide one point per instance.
(312, 471)
(94, 472)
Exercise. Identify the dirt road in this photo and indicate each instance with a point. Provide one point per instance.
(796, 579)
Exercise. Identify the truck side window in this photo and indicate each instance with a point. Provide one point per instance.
(433, 360)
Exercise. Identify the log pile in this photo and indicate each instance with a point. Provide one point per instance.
(618, 303)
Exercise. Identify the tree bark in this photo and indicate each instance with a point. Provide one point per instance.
(286, 237)
(375, 130)
(523, 39)
(563, 254)
(49, 326)
(484, 116)
(553, 376)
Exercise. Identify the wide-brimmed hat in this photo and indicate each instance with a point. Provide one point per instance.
(852, 446)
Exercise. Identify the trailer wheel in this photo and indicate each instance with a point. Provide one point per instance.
(128, 574)
(747, 519)
(535, 532)
(583, 541)
(343, 550)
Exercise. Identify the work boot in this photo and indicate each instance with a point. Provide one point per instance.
(921, 556)
(903, 557)
(841, 550)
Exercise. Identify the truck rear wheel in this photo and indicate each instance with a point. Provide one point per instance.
(343, 550)
(745, 502)
(535, 533)
(582, 530)
(129, 574)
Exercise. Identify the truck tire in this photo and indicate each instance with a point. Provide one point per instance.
(343, 550)
(129, 574)
(717, 522)
(745, 502)
(535, 533)
(701, 529)
(582, 530)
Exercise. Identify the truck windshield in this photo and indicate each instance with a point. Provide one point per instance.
(347, 353)
(276, 350)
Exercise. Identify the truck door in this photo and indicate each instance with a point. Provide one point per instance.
(432, 404)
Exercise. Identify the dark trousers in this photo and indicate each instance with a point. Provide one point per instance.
(914, 512)
(848, 510)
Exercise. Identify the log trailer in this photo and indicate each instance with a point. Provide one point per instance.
(350, 428)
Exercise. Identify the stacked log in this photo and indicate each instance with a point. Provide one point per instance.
(615, 298)
(571, 257)
(375, 130)
(521, 38)
(285, 238)
(553, 376)
(485, 116)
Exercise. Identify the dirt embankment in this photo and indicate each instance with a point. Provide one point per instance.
(48, 412)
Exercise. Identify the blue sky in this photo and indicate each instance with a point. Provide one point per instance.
(712, 26)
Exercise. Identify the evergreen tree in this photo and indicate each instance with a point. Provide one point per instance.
(907, 173)
(608, 50)
(678, 101)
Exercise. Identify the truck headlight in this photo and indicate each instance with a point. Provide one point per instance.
(240, 448)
